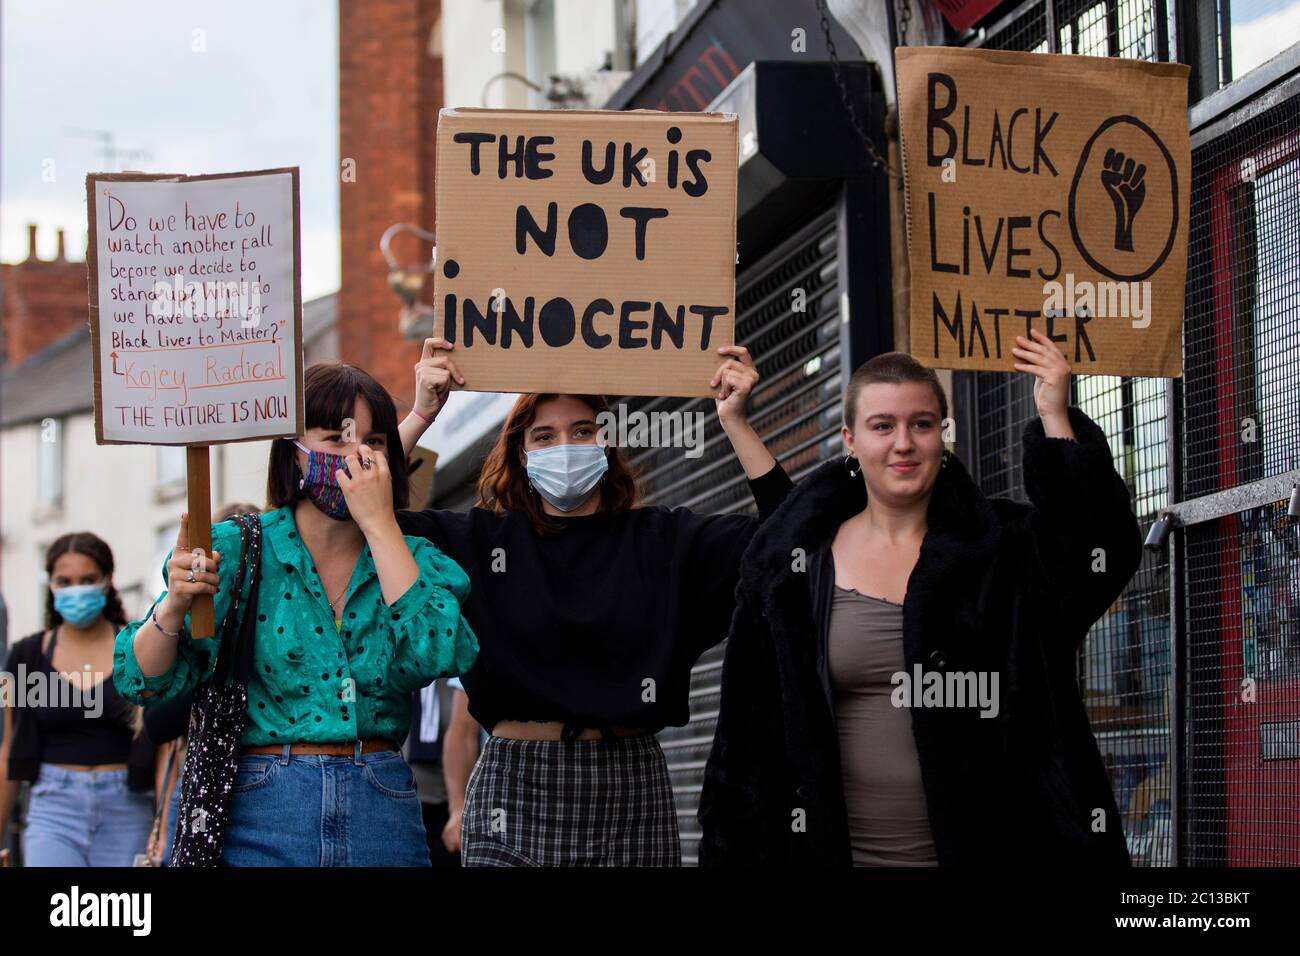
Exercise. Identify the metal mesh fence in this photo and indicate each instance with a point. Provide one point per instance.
(1241, 773)
(1240, 414)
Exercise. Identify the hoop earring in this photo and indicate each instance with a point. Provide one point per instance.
(849, 469)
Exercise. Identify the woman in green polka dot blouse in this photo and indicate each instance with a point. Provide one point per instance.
(352, 617)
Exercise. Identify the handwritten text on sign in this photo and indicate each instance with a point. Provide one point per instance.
(586, 251)
(1045, 192)
(197, 322)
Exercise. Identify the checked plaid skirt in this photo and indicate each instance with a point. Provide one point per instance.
(603, 802)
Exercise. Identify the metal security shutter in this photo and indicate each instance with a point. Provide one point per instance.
(796, 410)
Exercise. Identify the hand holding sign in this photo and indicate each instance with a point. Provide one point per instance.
(188, 575)
(433, 376)
(737, 378)
(1049, 366)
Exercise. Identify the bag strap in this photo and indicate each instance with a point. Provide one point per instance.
(230, 627)
(248, 623)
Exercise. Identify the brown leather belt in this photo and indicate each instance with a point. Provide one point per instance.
(370, 745)
(558, 730)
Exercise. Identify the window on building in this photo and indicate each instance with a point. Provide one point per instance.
(49, 464)
(539, 30)
(171, 467)
(1256, 31)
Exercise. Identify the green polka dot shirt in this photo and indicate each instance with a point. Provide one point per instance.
(316, 678)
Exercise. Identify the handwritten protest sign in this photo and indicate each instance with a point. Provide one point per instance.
(1046, 192)
(586, 251)
(195, 309)
(196, 320)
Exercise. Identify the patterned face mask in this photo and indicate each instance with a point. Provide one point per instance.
(320, 483)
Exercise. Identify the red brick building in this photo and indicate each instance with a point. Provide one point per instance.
(390, 91)
(41, 300)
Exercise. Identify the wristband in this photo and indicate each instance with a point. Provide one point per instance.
(423, 418)
(154, 617)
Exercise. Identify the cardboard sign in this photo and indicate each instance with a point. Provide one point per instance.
(195, 307)
(1046, 192)
(586, 251)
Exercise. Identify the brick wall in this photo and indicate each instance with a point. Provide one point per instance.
(43, 300)
(390, 90)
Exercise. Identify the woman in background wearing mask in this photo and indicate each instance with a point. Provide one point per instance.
(79, 742)
(591, 612)
(351, 618)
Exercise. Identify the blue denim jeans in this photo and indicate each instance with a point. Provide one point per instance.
(319, 810)
(85, 818)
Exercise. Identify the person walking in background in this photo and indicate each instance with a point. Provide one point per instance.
(81, 746)
(461, 747)
(431, 713)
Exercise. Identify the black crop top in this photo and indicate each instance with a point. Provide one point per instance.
(600, 623)
(81, 727)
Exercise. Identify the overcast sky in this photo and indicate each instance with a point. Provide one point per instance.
(203, 87)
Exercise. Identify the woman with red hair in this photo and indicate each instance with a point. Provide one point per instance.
(590, 612)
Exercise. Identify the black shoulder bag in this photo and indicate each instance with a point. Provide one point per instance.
(217, 718)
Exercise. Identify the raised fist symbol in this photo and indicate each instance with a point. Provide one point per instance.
(1124, 182)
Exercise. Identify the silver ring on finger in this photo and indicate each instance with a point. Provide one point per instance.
(191, 578)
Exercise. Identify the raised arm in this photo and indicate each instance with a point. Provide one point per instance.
(735, 379)
(433, 375)
(1083, 523)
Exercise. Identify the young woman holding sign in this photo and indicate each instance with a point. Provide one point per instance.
(590, 612)
(910, 698)
(351, 618)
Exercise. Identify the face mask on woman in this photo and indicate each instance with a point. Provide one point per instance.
(79, 604)
(565, 474)
(320, 483)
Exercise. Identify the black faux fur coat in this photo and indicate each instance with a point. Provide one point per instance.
(998, 586)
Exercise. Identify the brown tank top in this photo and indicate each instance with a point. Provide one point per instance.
(888, 824)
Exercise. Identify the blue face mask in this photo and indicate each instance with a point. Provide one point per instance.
(79, 604)
(565, 474)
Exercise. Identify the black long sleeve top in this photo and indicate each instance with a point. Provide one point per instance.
(600, 623)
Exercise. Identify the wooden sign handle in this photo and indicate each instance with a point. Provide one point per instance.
(197, 487)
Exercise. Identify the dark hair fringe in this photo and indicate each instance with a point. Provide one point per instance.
(893, 368)
(330, 393)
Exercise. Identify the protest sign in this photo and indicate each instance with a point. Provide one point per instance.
(1046, 192)
(586, 251)
(195, 318)
(195, 310)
